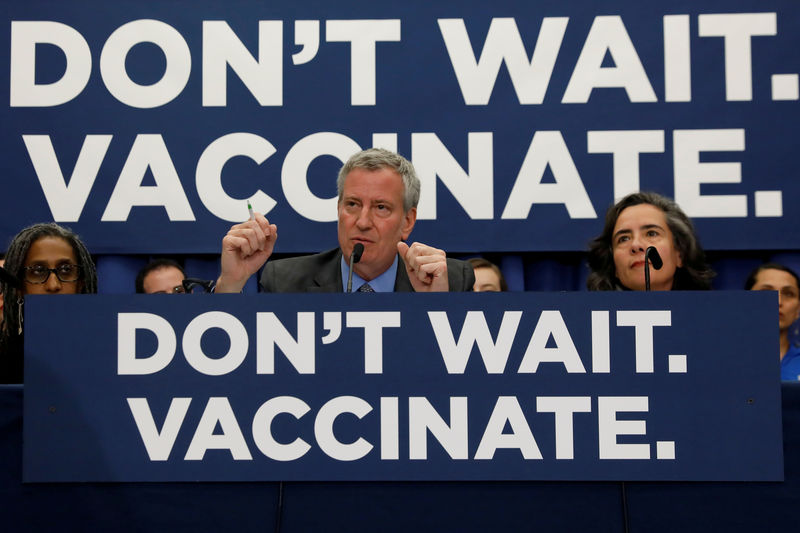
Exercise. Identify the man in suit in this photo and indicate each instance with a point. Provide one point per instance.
(378, 195)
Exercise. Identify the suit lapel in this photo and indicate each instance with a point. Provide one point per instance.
(402, 283)
(328, 277)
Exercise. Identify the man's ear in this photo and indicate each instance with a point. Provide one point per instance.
(409, 219)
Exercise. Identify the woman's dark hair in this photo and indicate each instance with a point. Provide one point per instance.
(751, 279)
(15, 262)
(695, 274)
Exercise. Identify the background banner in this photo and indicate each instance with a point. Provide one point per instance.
(145, 126)
(614, 386)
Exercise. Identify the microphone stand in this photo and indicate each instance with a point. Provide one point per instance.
(651, 254)
(355, 257)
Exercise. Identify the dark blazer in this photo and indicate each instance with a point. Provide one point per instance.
(323, 273)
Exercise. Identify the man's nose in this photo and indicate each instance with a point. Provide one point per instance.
(364, 220)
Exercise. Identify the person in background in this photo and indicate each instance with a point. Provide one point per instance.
(160, 276)
(776, 277)
(46, 259)
(638, 221)
(2, 262)
(488, 277)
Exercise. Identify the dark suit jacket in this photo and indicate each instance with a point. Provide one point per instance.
(323, 273)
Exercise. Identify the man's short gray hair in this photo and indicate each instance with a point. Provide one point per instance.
(376, 159)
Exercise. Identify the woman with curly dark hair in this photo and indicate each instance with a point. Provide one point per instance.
(638, 221)
(46, 259)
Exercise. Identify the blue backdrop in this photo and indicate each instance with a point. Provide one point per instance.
(146, 126)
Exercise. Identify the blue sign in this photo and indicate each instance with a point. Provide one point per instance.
(614, 386)
(524, 120)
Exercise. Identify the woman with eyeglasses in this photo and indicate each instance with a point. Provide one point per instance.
(775, 277)
(46, 259)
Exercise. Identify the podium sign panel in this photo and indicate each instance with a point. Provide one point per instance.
(511, 386)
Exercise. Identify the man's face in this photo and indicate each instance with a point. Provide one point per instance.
(164, 280)
(371, 213)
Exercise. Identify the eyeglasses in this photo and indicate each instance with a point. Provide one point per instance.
(177, 289)
(66, 273)
(195, 285)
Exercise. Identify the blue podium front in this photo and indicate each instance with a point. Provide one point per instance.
(403, 387)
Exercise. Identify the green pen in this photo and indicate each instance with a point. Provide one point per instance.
(250, 210)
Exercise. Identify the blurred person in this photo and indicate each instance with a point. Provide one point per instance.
(638, 221)
(488, 277)
(160, 276)
(776, 277)
(2, 262)
(377, 207)
(5, 278)
(46, 259)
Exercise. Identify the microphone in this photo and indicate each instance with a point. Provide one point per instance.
(8, 277)
(651, 255)
(355, 257)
